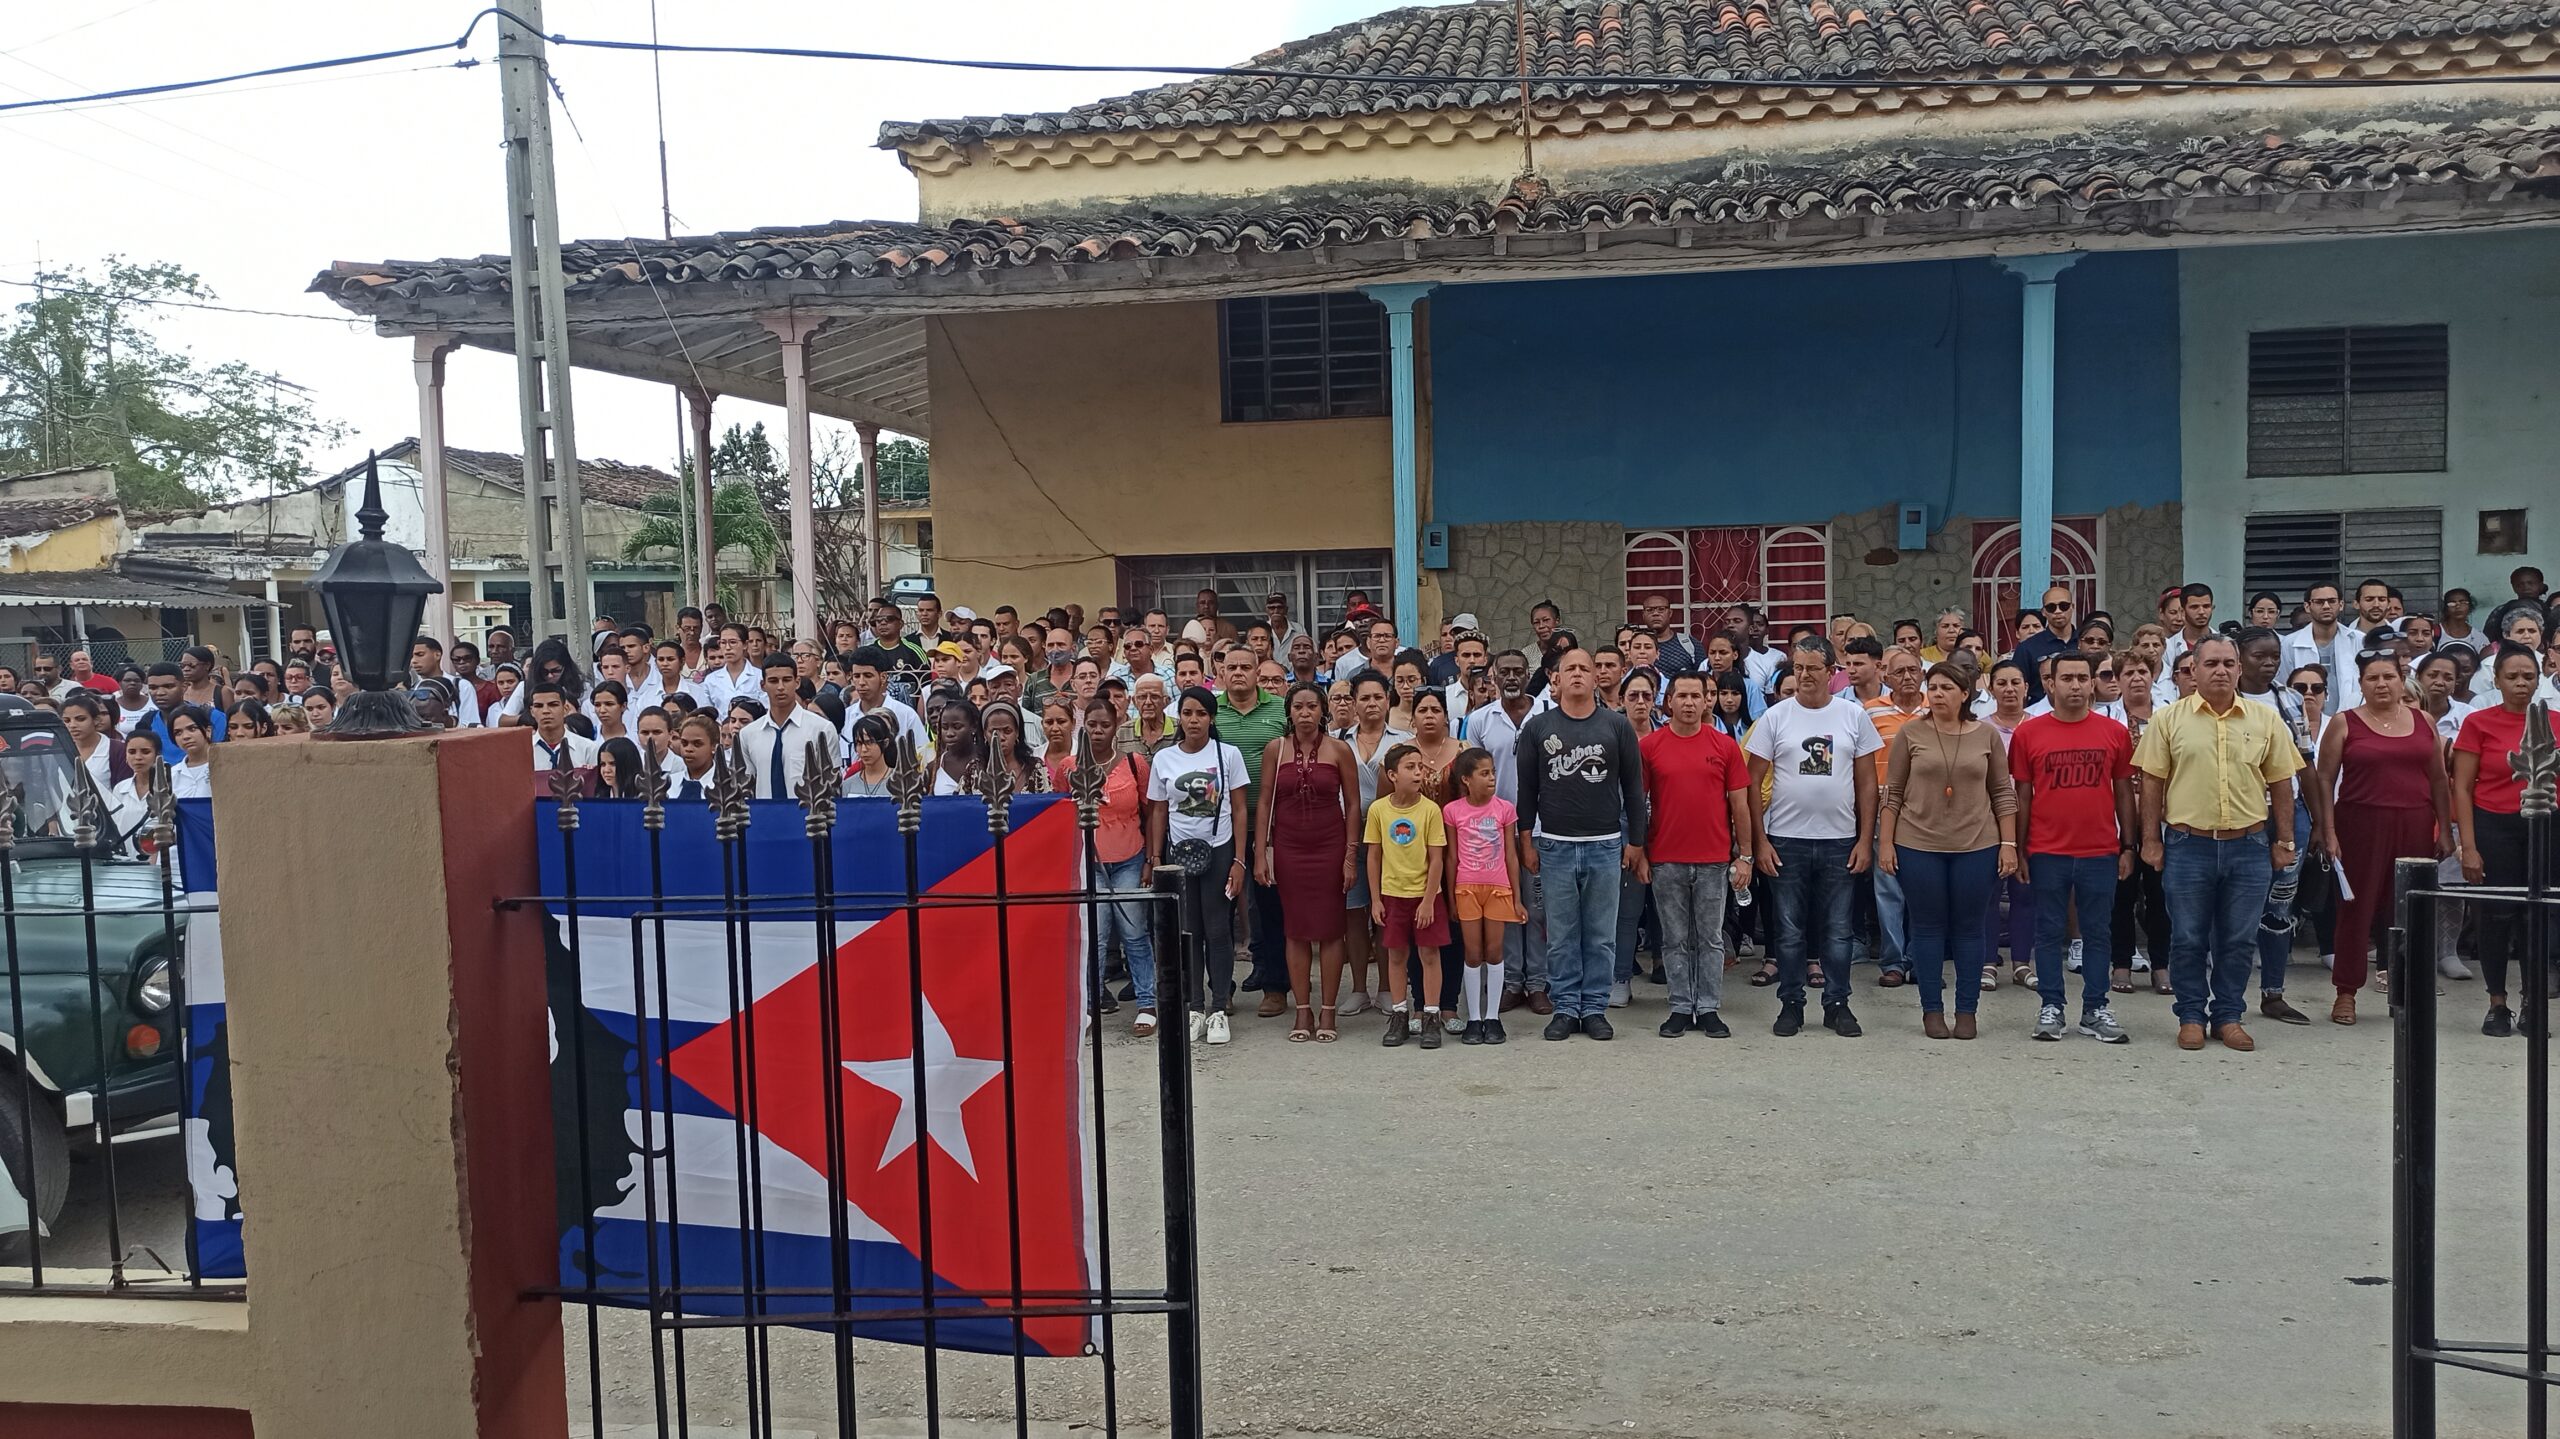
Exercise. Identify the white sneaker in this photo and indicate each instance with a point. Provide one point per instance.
(2329, 962)
(2073, 962)
(2141, 962)
(1199, 1026)
(1353, 1003)
(1618, 996)
(1218, 1032)
(2450, 965)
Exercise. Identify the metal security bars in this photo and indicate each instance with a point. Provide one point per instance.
(2418, 1349)
(96, 1103)
(716, 974)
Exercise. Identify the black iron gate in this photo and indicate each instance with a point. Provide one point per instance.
(719, 1333)
(2418, 1350)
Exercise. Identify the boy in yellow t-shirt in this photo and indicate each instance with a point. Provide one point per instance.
(1408, 850)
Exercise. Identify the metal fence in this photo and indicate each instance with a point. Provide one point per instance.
(713, 1311)
(95, 1098)
(105, 655)
(2505, 915)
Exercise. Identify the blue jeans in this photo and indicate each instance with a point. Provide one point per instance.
(1128, 920)
(1891, 922)
(2275, 926)
(1813, 888)
(2217, 888)
(1581, 882)
(2059, 881)
(1946, 895)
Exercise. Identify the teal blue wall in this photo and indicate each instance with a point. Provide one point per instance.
(1783, 395)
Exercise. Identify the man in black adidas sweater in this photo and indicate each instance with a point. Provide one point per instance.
(1582, 798)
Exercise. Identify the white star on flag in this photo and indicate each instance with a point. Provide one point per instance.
(950, 1078)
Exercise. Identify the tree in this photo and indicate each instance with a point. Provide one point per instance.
(738, 521)
(84, 381)
(747, 457)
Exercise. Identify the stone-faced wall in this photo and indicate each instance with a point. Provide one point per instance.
(1498, 571)
(2143, 551)
(1880, 584)
(2146, 553)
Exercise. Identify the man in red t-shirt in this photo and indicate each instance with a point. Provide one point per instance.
(2073, 772)
(1697, 785)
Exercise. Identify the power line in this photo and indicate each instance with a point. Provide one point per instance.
(83, 25)
(1401, 79)
(57, 288)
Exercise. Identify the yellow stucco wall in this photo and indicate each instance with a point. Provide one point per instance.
(1063, 439)
(87, 545)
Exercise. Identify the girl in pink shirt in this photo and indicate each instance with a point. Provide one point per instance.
(1483, 830)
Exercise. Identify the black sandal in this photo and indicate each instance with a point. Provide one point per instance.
(1767, 976)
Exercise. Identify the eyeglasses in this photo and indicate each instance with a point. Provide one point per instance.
(2312, 688)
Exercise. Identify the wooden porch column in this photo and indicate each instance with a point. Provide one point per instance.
(2035, 423)
(427, 354)
(793, 330)
(706, 551)
(1399, 301)
(867, 435)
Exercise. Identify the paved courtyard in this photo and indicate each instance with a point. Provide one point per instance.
(1762, 1237)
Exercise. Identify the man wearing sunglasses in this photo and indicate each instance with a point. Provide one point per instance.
(2325, 643)
(2060, 636)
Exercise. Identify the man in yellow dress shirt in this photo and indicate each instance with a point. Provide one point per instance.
(2217, 822)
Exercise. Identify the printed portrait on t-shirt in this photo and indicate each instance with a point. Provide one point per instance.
(1817, 755)
(1196, 794)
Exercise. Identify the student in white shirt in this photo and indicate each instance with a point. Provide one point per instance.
(2325, 643)
(733, 677)
(665, 676)
(192, 776)
(867, 693)
(547, 705)
(129, 801)
(777, 745)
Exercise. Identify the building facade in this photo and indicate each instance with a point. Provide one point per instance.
(2069, 295)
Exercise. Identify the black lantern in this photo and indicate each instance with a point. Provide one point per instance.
(375, 595)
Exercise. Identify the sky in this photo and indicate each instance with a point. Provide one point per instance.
(257, 187)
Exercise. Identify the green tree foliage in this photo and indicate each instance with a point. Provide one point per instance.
(738, 521)
(746, 459)
(84, 381)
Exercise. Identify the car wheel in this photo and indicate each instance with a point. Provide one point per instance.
(52, 1180)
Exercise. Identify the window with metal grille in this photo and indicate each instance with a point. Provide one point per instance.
(2289, 553)
(1302, 357)
(2351, 401)
(1317, 584)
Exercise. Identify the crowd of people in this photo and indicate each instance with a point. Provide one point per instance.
(1447, 835)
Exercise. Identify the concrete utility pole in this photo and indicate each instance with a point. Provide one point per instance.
(551, 479)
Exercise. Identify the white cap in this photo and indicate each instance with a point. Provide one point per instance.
(1462, 622)
(963, 613)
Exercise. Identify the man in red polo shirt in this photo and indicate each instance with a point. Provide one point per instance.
(1697, 784)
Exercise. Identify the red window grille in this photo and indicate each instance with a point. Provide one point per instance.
(1709, 570)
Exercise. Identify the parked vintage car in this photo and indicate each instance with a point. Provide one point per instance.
(88, 1019)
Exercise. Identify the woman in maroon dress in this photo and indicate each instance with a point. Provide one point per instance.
(1308, 850)
(2382, 761)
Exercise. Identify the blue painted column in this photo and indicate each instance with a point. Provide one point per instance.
(1399, 301)
(2035, 427)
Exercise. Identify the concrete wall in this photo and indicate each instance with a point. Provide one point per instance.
(2499, 296)
(1062, 439)
(1795, 395)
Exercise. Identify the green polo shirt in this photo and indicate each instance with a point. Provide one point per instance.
(1252, 731)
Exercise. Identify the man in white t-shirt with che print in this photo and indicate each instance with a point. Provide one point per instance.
(1814, 830)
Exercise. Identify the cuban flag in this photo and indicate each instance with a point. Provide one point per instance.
(213, 1183)
(724, 1060)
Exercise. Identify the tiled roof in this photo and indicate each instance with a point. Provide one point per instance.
(2080, 178)
(20, 518)
(608, 481)
(1729, 41)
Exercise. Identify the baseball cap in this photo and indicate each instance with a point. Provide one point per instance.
(963, 613)
(951, 648)
(1463, 622)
